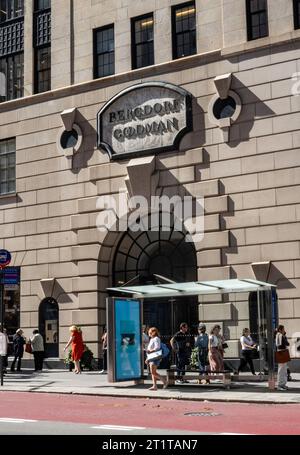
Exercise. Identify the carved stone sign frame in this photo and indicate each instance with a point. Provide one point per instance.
(166, 107)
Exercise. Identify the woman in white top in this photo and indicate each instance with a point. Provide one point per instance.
(247, 349)
(4, 354)
(215, 350)
(153, 346)
(282, 345)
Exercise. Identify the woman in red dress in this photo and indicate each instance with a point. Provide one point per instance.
(77, 346)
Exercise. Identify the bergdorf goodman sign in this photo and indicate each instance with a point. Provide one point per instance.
(143, 119)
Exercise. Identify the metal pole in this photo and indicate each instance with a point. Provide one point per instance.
(259, 333)
(2, 321)
(110, 340)
(142, 343)
(173, 359)
(270, 339)
(1, 300)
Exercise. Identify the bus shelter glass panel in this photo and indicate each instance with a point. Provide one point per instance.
(125, 339)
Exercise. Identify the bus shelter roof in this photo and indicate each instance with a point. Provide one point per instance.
(191, 288)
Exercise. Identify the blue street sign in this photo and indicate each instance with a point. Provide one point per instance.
(11, 275)
(5, 258)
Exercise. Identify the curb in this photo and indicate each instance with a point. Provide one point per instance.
(163, 397)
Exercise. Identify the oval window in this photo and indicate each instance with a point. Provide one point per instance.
(69, 139)
(224, 108)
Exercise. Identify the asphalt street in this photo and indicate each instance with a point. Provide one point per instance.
(51, 413)
(17, 427)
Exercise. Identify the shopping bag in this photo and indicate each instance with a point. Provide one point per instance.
(156, 355)
(28, 348)
(282, 356)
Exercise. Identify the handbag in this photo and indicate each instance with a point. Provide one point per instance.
(282, 356)
(156, 355)
(28, 348)
(255, 353)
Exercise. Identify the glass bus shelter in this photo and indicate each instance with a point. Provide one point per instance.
(197, 288)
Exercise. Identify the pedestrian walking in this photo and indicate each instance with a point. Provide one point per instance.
(184, 342)
(222, 344)
(282, 357)
(201, 343)
(37, 344)
(248, 347)
(18, 349)
(215, 350)
(77, 347)
(154, 346)
(104, 351)
(5, 356)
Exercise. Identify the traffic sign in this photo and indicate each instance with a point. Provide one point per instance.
(5, 258)
(11, 276)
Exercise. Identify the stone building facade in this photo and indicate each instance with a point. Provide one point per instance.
(248, 171)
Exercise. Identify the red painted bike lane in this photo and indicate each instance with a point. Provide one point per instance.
(217, 417)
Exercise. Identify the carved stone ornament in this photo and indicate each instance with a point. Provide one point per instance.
(143, 119)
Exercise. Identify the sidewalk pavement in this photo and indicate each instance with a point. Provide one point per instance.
(93, 383)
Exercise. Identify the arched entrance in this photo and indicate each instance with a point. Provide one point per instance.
(48, 325)
(147, 257)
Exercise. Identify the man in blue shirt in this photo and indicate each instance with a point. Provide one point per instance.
(202, 345)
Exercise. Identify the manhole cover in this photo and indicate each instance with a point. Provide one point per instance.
(202, 414)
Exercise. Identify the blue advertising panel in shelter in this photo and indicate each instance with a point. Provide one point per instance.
(128, 342)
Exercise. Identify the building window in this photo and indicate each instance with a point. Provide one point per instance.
(11, 49)
(142, 41)
(297, 13)
(104, 52)
(257, 19)
(11, 77)
(69, 139)
(42, 46)
(7, 166)
(43, 69)
(11, 9)
(184, 30)
(224, 108)
(41, 5)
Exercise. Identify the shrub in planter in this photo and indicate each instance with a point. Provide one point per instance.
(68, 361)
(87, 359)
(85, 362)
(194, 359)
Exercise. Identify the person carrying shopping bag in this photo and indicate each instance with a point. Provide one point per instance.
(282, 357)
(154, 346)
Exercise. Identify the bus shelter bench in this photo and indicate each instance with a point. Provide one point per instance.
(224, 376)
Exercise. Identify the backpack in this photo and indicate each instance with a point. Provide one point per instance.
(165, 350)
(202, 341)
